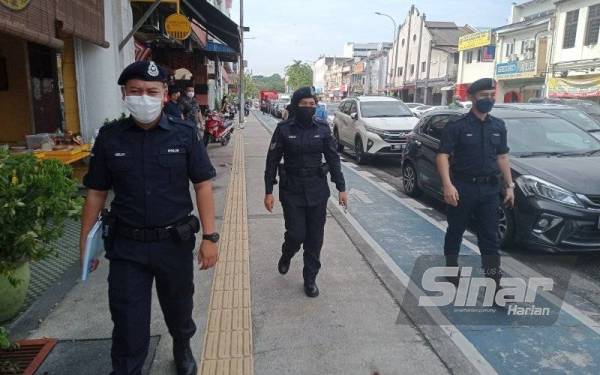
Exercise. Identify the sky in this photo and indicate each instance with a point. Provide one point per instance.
(287, 30)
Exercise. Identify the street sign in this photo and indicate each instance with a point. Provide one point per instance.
(15, 4)
(178, 26)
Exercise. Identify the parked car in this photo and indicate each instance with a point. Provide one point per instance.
(373, 125)
(418, 111)
(554, 164)
(587, 106)
(571, 114)
(278, 107)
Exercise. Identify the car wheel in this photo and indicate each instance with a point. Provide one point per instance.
(340, 146)
(506, 227)
(359, 153)
(409, 181)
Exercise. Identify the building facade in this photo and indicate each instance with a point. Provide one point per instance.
(574, 70)
(376, 73)
(321, 68)
(477, 55)
(362, 50)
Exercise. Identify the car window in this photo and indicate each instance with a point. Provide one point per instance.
(539, 135)
(576, 117)
(393, 108)
(436, 124)
(353, 108)
(344, 107)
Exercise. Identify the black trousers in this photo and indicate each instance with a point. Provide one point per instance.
(133, 268)
(305, 225)
(482, 201)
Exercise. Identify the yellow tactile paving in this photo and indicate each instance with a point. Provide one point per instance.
(228, 336)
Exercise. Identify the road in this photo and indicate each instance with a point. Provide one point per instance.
(402, 228)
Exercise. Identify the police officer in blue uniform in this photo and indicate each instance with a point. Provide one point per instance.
(148, 161)
(473, 153)
(302, 141)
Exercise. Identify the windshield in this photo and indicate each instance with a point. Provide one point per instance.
(586, 106)
(576, 117)
(547, 135)
(385, 109)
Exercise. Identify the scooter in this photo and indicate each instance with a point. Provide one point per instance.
(217, 129)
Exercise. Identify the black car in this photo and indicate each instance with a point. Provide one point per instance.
(571, 114)
(556, 167)
(587, 106)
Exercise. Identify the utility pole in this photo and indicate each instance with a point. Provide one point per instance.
(241, 67)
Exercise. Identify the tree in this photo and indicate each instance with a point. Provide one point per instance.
(250, 90)
(273, 82)
(299, 75)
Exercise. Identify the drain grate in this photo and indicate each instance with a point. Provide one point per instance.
(27, 358)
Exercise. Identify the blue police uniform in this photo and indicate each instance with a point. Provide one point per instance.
(303, 187)
(149, 172)
(474, 146)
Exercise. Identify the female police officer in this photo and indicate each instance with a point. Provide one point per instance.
(302, 141)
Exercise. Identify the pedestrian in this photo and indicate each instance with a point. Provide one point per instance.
(471, 183)
(455, 103)
(172, 106)
(148, 160)
(302, 141)
(189, 105)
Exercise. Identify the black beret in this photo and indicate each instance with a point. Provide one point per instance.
(144, 70)
(301, 93)
(482, 84)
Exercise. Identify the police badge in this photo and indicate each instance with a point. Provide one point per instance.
(153, 69)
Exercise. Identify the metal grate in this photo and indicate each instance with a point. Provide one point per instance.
(27, 358)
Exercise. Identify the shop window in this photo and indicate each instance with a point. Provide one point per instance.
(3, 75)
(571, 29)
(423, 66)
(593, 25)
(469, 57)
(412, 69)
(479, 53)
(400, 71)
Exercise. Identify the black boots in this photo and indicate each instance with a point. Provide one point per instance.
(311, 289)
(284, 265)
(452, 261)
(184, 359)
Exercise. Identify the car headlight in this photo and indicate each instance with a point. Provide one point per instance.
(534, 186)
(371, 129)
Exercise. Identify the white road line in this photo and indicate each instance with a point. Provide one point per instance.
(465, 346)
(366, 174)
(509, 264)
(386, 186)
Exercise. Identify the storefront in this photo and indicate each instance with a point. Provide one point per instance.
(518, 81)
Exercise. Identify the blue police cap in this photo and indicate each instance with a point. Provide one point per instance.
(301, 93)
(144, 70)
(482, 84)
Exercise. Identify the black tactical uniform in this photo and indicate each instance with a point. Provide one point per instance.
(475, 146)
(303, 187)
(152, 233)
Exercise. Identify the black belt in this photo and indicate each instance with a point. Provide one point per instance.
(493, 179)
(156, 234)
(303, 172)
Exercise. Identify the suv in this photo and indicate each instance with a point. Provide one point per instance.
(373, 125)
(555, 167)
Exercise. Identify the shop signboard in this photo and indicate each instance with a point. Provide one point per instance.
(475, 40)
(178, 26)
(584, 87)
(515, 69)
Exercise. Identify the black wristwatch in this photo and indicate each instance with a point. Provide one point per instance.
(212, 237)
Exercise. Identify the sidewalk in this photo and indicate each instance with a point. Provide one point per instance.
(351, 328)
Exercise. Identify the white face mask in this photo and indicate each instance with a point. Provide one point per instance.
(190, 94)
(144, 109)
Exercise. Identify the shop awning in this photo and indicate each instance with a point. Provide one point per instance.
(222, 51)
(215, 22)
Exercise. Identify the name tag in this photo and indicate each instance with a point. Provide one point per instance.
(317, 136)
(291, 136)
(469, 134)
(173, 151)
(496, 134)
(120, 154)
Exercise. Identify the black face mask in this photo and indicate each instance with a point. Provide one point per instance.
(304, 115)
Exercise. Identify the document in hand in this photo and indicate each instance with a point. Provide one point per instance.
(94, 246)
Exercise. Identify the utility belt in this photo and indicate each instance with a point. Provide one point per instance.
(491, 179)
(304, 172)
(181, 231)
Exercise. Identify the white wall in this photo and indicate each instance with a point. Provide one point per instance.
(469, 73)
(98, 69)
(530, 8)
(319, 71)
(580, 51)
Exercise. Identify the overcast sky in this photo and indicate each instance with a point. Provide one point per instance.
(285, 30)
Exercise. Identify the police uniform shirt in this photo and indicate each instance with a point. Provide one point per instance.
(474, 144)
(302, 147)
(149, 170)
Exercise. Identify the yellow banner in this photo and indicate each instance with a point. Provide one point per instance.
(474, 40)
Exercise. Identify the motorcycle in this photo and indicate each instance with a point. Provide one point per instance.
(218, 129)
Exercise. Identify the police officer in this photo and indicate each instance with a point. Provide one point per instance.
(302, 141)
(478, 146)
(148, 160)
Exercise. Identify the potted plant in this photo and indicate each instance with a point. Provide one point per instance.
(35, 199)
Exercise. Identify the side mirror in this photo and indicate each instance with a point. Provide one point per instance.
(354, 116)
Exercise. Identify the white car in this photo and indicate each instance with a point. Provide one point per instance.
(373, 126)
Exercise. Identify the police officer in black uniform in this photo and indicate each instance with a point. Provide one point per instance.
(148, 160)
(477, 147)
(302, 141)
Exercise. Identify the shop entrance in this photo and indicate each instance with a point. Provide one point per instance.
(45, 99)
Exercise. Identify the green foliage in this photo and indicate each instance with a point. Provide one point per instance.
(250, 90)
(299, 75)
(4, 339)
(274, 82)
(35, 199)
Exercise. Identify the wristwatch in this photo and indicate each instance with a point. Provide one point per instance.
(212, 237)
(511, 185)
